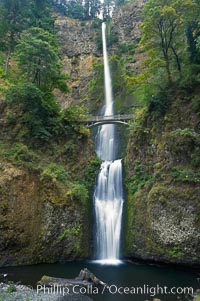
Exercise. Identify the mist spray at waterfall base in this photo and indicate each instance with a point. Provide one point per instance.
(108, 195)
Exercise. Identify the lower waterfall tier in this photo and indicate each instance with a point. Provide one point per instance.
(108, 201)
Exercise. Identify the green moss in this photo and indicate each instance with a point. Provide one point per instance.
(11, 289)
(129, 226)
(72, 231)
(176, 253)
(185, 175)
(139, 178)
(46, 278)
(91, 172)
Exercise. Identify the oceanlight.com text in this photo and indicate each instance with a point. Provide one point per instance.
(113, 289)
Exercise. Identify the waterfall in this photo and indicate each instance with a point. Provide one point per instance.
(108, 195)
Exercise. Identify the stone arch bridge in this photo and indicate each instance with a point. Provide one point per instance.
(100, 120)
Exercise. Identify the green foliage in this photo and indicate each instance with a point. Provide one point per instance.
(195, 158)
(41, 15)
(107, 6)
(72, 118)
(55, 172)
(79, 9)
(118, 74)
(14, 19)
(11, 289)
(185, 175)
(75, 113)
(72, 231)
(112, 37)
(140, 178)
(193, 35)
(75, 10)
(37, 55)
(126, 49)
(17, 16)
(164, 32)
(39, 112)
(176, 253)
(196, 103)
(167, 64)
(20, 154)
(96, 84)
(78, 192)
(91, 171)
(159, 103)
(70, 149)
(185, 143)
(185, 133)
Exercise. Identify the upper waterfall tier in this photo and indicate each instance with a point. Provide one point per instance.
(107, 77)
(105, 145)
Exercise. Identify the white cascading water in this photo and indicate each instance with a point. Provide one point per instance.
(108, 195)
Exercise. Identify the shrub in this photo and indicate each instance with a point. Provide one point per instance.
(140, 178)
(72, 117)
(185, 133)
(19, 153)
(185, 175)
(75, 230)
(78, 192)
(196, 104)
(90, 173)
(54, 172)
(158, 103)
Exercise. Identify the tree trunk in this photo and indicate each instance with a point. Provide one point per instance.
(168, 69)
(177, 58)
(7, 63)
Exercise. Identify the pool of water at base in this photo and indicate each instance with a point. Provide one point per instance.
(125, 278)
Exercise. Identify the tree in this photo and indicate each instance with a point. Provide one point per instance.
(164, 30)
(193, 34)
(38, 113)
(41, 15)
(38, 58)
(119, 2)
(75, 9)
(107, 7)
(14, 16)
(79, 9)
(92, 8)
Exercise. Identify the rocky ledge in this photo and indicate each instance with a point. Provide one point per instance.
(14, 292)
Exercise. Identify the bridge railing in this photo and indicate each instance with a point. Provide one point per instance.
(118, 117)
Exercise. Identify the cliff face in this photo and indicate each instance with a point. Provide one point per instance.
(42, 219)
(44, 196)
(162, 183)
(81, 49)
(78, 48)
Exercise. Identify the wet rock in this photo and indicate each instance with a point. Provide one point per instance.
(84, 278)
(21, 292)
